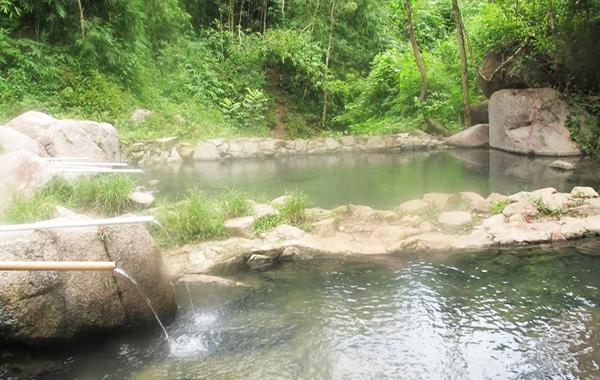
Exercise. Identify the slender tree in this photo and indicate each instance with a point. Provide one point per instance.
(326, 74)
(417, 52)
(463, 63)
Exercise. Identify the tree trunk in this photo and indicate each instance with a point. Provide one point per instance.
(264, 18)
(418, 58)
(326, 93)
(463, 63)
(81, 19)
(231, 17)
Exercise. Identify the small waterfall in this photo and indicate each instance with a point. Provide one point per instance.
(145, 297)
(187, 288)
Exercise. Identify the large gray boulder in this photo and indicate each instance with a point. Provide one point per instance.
(22, 172)
(47, 307)
(476, 136)
(12, 141)
(531, 121)
(70, 138)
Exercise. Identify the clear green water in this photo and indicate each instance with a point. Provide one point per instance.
(379, 180)
(516, 314)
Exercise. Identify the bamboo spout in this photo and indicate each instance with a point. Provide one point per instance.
(58, 265)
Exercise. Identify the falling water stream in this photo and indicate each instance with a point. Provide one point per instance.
(145, 297)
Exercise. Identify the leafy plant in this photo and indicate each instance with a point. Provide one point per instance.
(498, 207)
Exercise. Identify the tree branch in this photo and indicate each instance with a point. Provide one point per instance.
(519, 50)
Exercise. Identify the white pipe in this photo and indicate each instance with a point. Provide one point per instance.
(89, 164)
(66, 158)
(97, 170)
(75, 223)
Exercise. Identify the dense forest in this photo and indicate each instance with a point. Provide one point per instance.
(294, 68)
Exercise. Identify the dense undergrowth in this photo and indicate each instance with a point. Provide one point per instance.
(244, 67)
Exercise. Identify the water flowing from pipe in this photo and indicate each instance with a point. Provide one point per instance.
(187, 288)
(145, 297)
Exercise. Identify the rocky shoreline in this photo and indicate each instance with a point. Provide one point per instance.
(437, 222)
(171, 150)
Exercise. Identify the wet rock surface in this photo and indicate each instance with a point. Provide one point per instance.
(46, 307)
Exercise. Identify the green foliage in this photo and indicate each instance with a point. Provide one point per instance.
(233, 203)
(211, 68)
(544, 209)
(292, 209)
(297, 127)
(194, 219)
(498, 207)
(248, 112)
(23, 209)
(291, 212)
(266, 224)
(106, 194)
(585, 131)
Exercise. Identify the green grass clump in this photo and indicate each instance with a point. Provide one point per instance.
(106, 194)
(292, 210)
(233, 203)
(267, 223)
(498, 207)
(544, 209)
(198, 217)
(24, 209)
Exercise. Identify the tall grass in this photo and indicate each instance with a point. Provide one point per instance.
(292, 210)
(198, 217)
(105, 193)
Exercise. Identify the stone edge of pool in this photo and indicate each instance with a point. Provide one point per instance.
(437, 222)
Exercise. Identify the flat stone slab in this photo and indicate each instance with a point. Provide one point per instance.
(261, 210)
(243, 226)
(476, 202)
(455, 219)
(324, 228)
(526, 208)
(145, 200)
(440, 200)
(416, 206)
(584, 192)
(562, 165)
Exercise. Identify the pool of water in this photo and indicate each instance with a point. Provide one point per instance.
(513, 314)
(378, 180)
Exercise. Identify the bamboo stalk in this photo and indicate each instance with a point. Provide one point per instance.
(58, 265)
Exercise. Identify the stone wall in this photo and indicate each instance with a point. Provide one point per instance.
(170, 150)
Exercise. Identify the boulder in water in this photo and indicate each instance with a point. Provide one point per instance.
(476, 136)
